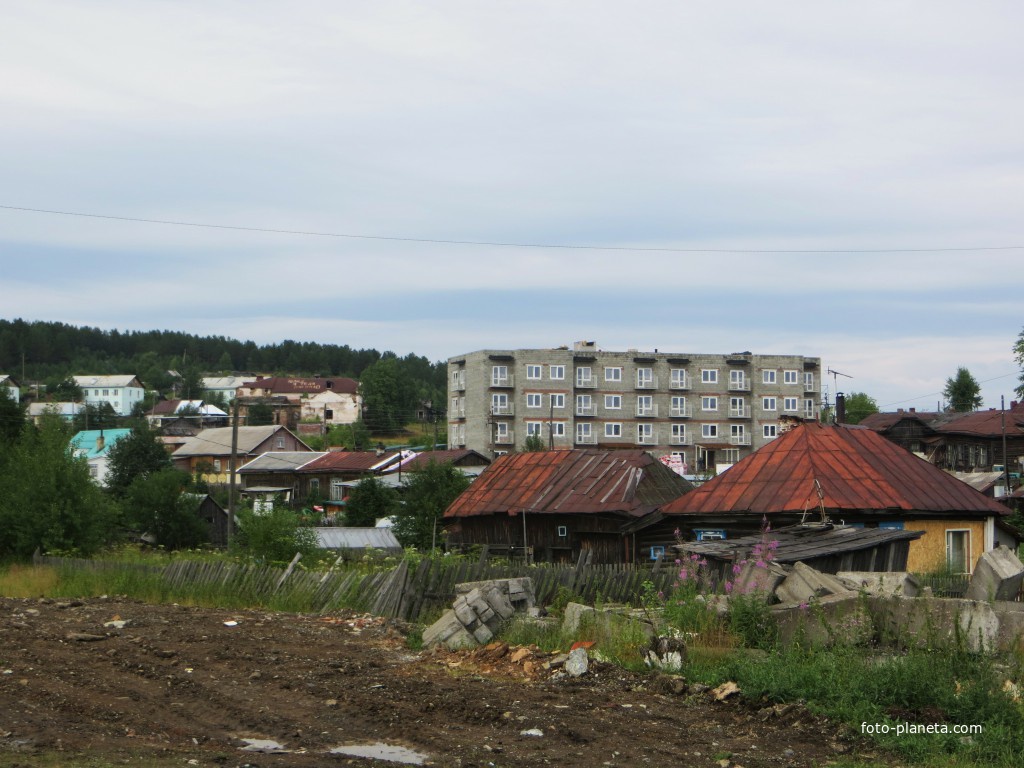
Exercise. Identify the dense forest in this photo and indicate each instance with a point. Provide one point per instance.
(48, 352)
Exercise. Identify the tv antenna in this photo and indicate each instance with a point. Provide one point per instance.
(835, 374)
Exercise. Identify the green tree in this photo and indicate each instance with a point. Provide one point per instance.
(1018, 355)
(859, 405)
(64, 390)
(352, 437)
(427, 494)
(389, 396)
(534, 443)
(48, 501)
(12, 416)
(962, 392)
(136, 455)
(159, 504)
(370, 500)
(191, 385)
(274, 536)
(102, 416)
(260, 414)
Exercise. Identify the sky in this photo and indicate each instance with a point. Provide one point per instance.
(832, 179)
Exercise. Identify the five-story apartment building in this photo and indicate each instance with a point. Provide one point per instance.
(711, 409)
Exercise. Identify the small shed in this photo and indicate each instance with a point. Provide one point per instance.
(825, 547)
(355, 542)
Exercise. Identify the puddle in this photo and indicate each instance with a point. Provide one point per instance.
(381, 751)
(262, 745)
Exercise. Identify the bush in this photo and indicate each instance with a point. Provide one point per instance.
(274, 536)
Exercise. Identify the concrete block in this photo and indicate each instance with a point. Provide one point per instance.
(464, 612)
(483, 635)
(754, 578)
(1011, 626)
(804, 583)
(500, 604)
(933, 622)
(885, 584)
(573, 615)
(442, 629)
(997, 576)
(831, 620)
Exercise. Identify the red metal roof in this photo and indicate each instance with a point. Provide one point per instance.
(882, 421)
(565, 482)
(858, 469)
(284, 385)
(986, 423)
(350, 461)
(466, 456)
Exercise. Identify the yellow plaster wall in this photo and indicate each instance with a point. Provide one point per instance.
(929, 552)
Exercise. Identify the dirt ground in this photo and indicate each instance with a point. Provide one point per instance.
(184, 686)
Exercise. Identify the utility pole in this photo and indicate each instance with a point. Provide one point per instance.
(231, 487)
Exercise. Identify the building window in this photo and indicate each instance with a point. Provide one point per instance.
(645, 377)
(709, 430)
(613, 374)
(958, 551)
(499, 375)
(678, 379)
(790, 404)
(556, 372)
(613, 429)
(809, 409)
(730, 455)
(767, 377)
(106, 393)
(709, 403)
(613, 402)
(499, 404)
(679, 434)
(737, 380)
(501, 429)
(678, 406)
(314, 486)
(328, 414)
(645, 405)
(534, 400)
(533, 372)
(558, 428)
(789, 377)
(770, 431)
(808, 382)
(557, 400)
(584, 405)
(534, 428)
(768, 403)
(584, 376)
(584, 433)
(738, 432)
(563, 531)
(644, 433)
(709, 375)
(115, 392)
(216, 465)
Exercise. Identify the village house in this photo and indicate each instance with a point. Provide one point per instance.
(329, 401)
(196, 414)
(94, 446)
(122, 392)
(7, 382)
(208, 454)
(331, 477)
(843, 474)
(555, 505)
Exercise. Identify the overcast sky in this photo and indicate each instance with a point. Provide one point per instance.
(681, 141)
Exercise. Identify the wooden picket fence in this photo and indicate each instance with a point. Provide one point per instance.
(417, 592)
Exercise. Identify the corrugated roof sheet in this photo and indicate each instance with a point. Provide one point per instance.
(217, 441)
(985, 423)
(281, 461)
(590, 481)
(351, 461)
(452, 456)
(84, 443)
(858, 469)
(356, 538)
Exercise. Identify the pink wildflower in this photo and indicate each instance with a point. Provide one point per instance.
(695, 558)
(679, 562)
(728, 587)
(773, 544)
(761, 564)
(737, 568)
(683, 575)
(802, 606)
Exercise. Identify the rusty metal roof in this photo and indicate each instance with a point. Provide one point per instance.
(885, 420)
(457, 456)
(351, 461)
(626, 482)
(858, 469)
(986, 423)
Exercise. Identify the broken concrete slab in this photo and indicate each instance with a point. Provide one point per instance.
(478, 611)
(758, 579)
(804, 584)
(887, 584)
(608, 618)
(827, 621)
(935, 622)
(518, 590)
(997, 576)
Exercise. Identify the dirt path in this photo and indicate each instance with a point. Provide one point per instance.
(180, 686)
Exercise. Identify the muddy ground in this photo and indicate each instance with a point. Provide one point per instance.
(184, 686)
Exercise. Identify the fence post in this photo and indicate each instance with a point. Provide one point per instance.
(288, 572)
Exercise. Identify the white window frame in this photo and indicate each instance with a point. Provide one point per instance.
(645, 405)
(584, 403)
(534, 400)
(709, 403)
(769, 403)
(556, 372)
(557, 399)
(534, 372)
(769, 431)
(677, 404)
(679, 431)
(613, 373)
(808, 381)
(558, 428)
(708, 375)
(501, 429)
(678, 379)
(790, 377)
(534, 428)
(585, 374)
(499, 374)
(768, 376)
(709, 431)
(644, 431)
(737, 430)
(612, 429)
(737, 377)
(967, 548)
(584, 431)
(645, 377)
(791, 404)
(613, 402)
(499, 402)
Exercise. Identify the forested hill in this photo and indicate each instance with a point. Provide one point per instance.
(48, 351)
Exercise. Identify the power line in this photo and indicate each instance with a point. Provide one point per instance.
(500, 244)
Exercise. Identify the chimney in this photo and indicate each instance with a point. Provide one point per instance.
(840, 408)
(100, 442)
(913, 410)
